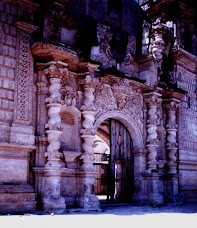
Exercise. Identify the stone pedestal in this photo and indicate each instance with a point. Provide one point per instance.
(87, 198)
(48, 187)
(16, 194)
(172, 193)
(153, 188)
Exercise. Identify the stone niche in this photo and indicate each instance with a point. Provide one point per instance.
(70, 136)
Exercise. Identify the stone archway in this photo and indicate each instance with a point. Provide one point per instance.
(115, 165)
(128, 122)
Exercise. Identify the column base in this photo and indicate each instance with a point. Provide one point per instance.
(172, 194)
(89, 201)
(54, 204)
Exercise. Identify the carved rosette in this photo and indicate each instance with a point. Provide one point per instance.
(88, 113)
(54, 129)
(171, 129)
(153, 100)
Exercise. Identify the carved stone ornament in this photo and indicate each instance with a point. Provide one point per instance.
(58, 18)
(114, 93)
(69, 91)
(23, 77)
(145, 37)
(102, 52)
(161, 41)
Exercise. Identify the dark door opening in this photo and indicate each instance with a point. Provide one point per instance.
(114, 163)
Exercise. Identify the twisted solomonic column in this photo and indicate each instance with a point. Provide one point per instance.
(54, 129)
(153, 100)
(171, 129)
(89, 118)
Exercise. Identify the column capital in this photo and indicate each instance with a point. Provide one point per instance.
(89, 81)
(171, 104)
(56, 69)
(152, 98)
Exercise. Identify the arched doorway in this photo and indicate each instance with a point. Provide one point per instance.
(114, 162)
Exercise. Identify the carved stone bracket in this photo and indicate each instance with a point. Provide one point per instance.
(152, 99)
(55, 72)
(171, 106)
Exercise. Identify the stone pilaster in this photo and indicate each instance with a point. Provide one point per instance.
(88, 199)
(22, 131)
(153, 100)
(171, 129)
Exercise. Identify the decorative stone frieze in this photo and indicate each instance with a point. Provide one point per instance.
(152, 99)
(171, 129)
(55, 72)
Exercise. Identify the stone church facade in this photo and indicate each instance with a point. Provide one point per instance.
(97, 103)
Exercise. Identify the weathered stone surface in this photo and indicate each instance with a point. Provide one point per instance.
(91, 103)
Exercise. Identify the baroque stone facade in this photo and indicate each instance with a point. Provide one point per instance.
(97, 103)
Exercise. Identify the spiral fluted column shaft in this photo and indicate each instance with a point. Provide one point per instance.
(87, 198)
(88, 98)
(152, 100)
(88, 122)
(171, 129)
(54, 105)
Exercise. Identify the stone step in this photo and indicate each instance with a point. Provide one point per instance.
(17, 207)
(17, 199)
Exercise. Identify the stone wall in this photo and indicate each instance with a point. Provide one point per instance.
(17, 138)
(188, 131)
(7, 67)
